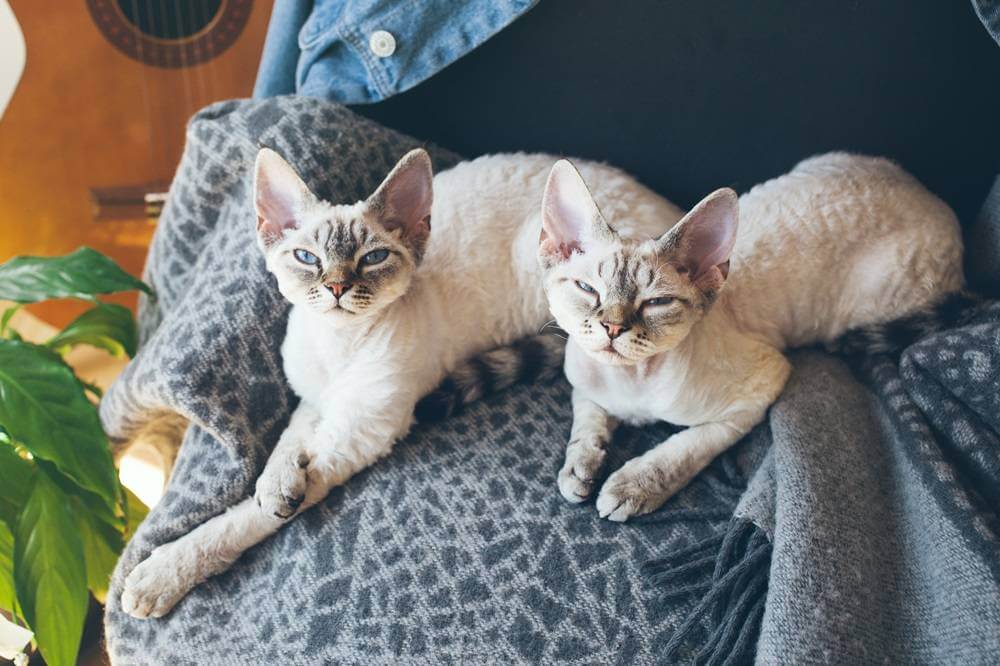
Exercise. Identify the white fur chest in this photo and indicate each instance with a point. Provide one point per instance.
(312, 360)
(694, 384)
(634, 395)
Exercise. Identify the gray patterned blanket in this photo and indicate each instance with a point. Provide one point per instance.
(857, 525)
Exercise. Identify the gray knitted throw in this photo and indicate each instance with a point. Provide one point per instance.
(860, 533)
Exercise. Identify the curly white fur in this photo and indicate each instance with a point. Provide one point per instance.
(841, 241)
(361, 360)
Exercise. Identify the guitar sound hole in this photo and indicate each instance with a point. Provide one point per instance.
(170, 19)
(171, 33)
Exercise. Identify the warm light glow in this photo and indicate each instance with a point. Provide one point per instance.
(142, 477)
(13, 639)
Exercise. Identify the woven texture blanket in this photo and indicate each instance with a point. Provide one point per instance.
(839, 530)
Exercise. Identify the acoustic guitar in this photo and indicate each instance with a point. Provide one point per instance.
(94, 130)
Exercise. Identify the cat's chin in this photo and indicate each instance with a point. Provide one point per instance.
(338, 317)
(610, 357)
(343, 316)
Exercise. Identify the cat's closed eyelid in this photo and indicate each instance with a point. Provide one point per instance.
(381, 256)
(662, 302)
(664, 315)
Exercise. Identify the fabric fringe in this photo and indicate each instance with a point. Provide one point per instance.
(732, 601)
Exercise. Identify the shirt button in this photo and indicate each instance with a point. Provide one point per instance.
(382, 43)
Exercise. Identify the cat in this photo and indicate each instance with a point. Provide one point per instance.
(687, 323)
(382, 310)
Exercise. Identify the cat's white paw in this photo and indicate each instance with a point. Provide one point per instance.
(633, 490)
(281, 487)
(156, 584)
(579, 473)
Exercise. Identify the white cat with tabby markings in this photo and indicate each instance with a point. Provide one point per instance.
(842, 241)
(383, 309)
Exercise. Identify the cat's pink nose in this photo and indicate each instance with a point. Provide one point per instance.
(614, 330)
(338, 288)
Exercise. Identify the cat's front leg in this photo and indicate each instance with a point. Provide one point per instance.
(643, 484)
(323, 450)
(157, 583)
(281, 487)
(585, 453)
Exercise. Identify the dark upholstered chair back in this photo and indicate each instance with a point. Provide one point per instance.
(692, 95)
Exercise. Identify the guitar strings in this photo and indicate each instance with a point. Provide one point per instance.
(213, 64)
(188, 101)
(158, 21)
(146, 94)
(187, 72)
(201, 56)
(198, 88)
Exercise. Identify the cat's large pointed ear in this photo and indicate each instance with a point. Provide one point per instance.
(700, 244)
(403, 200)
(279, 196)
(571, 220)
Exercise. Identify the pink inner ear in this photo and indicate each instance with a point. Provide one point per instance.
(272, 231)
(421, 228)
(279, 195)
(562, 250)
(568, 212)
(405, 198)
(724, 268)
(707, 234)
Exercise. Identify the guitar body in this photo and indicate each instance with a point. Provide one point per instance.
(102, 106)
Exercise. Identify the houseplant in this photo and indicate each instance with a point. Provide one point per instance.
(64, 515)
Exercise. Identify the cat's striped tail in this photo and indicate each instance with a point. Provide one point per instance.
(892, 337)
(539, 357)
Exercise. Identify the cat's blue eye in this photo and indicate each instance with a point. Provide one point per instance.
(662, 300)
(585, 287)
(375, 257)
(306, 257)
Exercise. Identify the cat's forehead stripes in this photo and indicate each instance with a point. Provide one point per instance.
(342, 238)
(624, 271)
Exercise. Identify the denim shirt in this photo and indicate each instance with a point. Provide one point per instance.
(358, 51)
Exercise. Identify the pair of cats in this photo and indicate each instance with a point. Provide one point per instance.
(672, 317)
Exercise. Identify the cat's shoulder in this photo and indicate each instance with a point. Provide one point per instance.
(498, 168)
(837, 171)
(534, 167)
(841, 164)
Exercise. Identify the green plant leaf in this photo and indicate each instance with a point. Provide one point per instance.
(82, 274)
(8, 597)
(113, 516)
(101, 547)
(15, 478)
(106, 326)
(44, 409)
(49, 572)
(8, 314)
(93, 389)
(135, 512)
